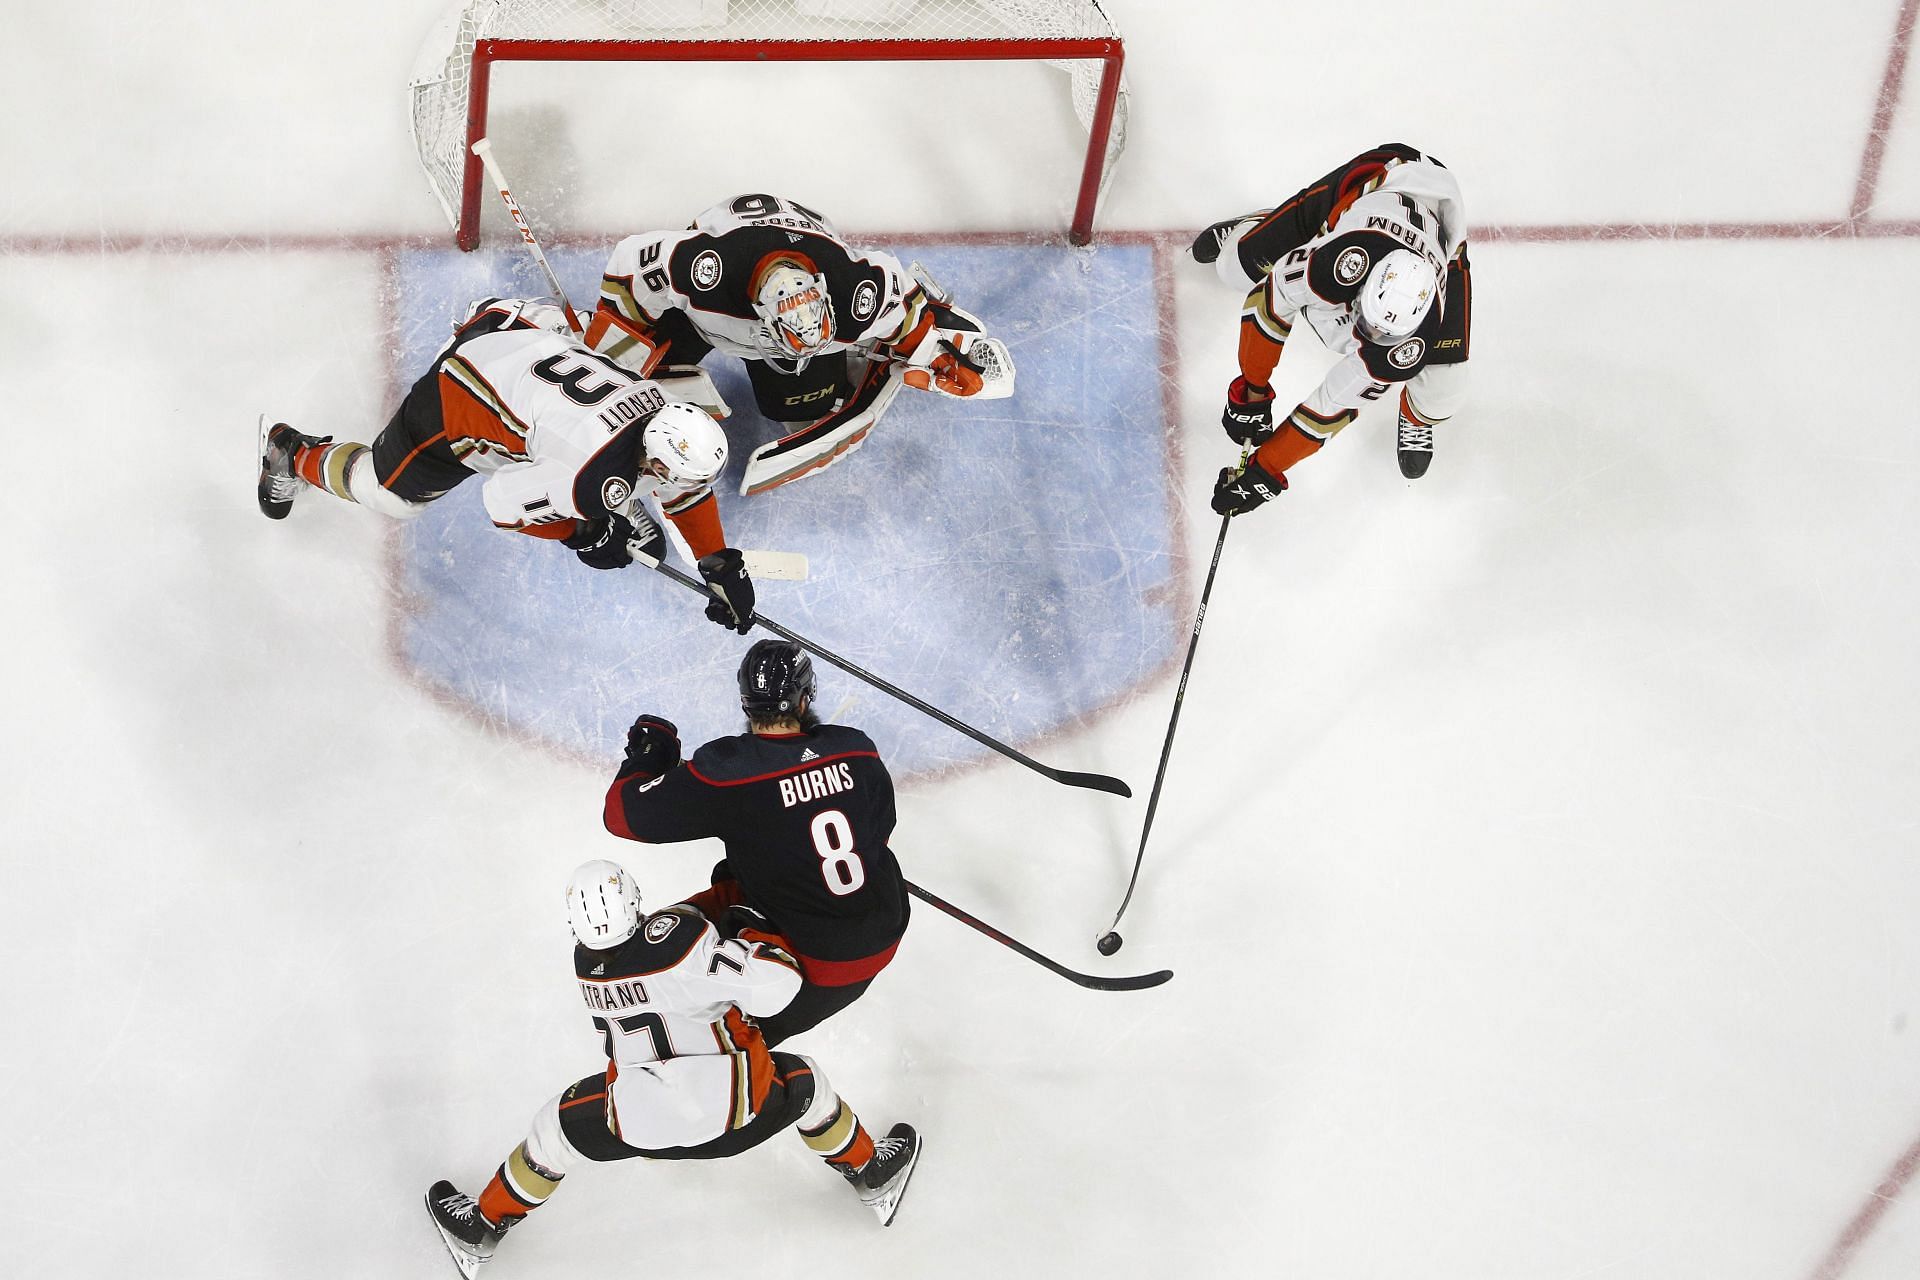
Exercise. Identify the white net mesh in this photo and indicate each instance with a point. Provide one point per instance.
(439, 86)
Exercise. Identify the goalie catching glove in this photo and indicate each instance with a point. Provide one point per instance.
(949, 354)
(725, 572)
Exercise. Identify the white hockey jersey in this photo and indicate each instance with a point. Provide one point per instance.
(709, 274)
(685, 1066)
(554, 427)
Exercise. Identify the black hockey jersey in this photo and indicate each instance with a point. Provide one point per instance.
(805, 819)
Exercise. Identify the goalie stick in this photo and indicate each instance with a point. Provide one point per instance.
(1139, 982)
(1068, 777)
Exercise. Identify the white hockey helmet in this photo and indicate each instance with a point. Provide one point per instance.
(1396, 296)
(603, 904)
(685, 450)
(796, 313)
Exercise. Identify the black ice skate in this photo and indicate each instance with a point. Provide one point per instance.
(1415, 448)
(466, 1234)
(278, 484)
(882, 1181)
(1207, 245)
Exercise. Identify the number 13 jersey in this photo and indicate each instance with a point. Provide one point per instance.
(805, 818)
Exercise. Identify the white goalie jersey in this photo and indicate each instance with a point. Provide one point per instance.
(708, 274)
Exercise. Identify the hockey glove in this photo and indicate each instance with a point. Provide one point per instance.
(653, 747)
(1237, 492)
(726, 574)
(738, 918)
(646, 540)
(1249, 413)
(602, 544)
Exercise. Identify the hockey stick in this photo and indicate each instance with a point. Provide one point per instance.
(1139, 983)
(1091, 781)
(1109, 942)
(484, 150)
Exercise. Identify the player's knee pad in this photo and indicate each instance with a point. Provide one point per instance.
(547, 1144)
(364, 484)
(1438, 391)
(821, 1106)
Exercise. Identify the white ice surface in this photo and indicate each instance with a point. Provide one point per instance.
(1538, 859)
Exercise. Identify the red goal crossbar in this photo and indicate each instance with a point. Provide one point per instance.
(486, 52)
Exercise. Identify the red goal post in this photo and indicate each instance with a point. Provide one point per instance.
(450, 87)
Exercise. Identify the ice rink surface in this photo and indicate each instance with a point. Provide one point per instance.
(1537, 860)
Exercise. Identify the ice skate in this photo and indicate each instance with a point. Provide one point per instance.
(466, 1234)
(1207, 245)
(1415, 448)
(278, 483)
(882, 1182)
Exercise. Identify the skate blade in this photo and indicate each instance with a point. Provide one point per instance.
(468, 1263)
(887, 1203)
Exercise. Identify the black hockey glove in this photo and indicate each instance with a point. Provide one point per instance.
(732, 604)
(646, 539)
(740, 917)
(653, 747)
(1237, 492)
(1248, 417)
(602, 544)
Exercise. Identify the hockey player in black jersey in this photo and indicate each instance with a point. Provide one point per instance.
(805, 811)
(829, 333)
(1374, 257)
(688, 1074)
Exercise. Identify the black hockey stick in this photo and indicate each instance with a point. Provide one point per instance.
(1139, 983)
(1109, 942)
(1091, 781)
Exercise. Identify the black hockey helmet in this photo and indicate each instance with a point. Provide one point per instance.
(776, 676)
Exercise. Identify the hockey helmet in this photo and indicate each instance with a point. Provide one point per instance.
(685, 450)
(796, 313)
(1396, 296)
(603, 904)
(776, 678)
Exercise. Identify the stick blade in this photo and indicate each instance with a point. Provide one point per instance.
(1092, 782)
(1139, 982)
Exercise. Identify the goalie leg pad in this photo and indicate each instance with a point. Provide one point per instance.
(821, 444)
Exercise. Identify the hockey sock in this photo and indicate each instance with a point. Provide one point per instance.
(841, 1140)
(518, 1187)
(324, 466)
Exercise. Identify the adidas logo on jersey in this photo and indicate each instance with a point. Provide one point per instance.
(809, 754)
(600, 969)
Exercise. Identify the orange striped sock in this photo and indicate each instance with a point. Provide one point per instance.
(842, 1141)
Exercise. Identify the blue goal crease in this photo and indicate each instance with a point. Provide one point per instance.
(1009, 562)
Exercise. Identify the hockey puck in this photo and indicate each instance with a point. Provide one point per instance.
(1108, 944)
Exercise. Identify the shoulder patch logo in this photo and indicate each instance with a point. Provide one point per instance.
(1407, 354)
(1351, 266)
(866, 301)
(706, 269)
(614, 493)
(661, 925)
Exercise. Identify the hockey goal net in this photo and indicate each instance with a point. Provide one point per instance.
(450, 86)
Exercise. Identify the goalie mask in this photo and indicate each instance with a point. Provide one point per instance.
(1396, 297)
(796, 314)
(603, 905)
(685, 451)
